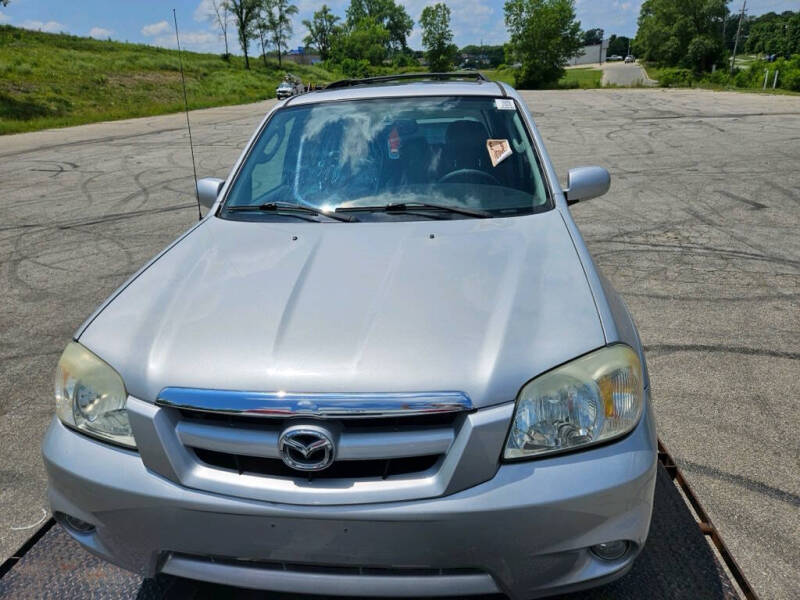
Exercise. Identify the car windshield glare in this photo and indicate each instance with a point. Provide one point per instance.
(462, 152)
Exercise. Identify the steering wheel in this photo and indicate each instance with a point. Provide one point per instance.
(469, 173)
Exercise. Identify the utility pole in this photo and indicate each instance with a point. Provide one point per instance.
(724, 26)
(738, 32)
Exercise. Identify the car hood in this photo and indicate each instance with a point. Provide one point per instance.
(477, 305)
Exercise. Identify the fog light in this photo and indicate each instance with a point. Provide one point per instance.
(611, 550)
(76, 524)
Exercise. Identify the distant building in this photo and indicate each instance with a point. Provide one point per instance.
(303, 56)
(590, 55)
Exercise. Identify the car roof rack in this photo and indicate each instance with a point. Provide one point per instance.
(343, 83)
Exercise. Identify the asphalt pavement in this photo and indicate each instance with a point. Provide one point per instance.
(699, 233)
(625, 75)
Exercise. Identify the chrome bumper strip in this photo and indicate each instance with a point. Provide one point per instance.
(335, 405)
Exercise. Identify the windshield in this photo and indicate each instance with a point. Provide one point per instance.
(464, 153)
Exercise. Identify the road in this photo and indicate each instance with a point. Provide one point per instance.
(625, 75)
(699, 233)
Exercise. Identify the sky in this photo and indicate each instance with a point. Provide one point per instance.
(150, 21)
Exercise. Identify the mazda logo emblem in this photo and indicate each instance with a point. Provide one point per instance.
(306, 448)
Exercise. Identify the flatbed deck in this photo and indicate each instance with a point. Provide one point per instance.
(677, 562)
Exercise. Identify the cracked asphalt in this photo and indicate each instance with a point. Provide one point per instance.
(699, 233)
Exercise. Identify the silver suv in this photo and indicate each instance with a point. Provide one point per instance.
(383, 364)
(290, 86)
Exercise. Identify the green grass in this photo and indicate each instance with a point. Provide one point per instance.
(55, 80)
(653, 71)
(745, 61)
(504, 75)
(582, 77)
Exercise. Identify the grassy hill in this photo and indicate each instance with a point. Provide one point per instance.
(55, 80)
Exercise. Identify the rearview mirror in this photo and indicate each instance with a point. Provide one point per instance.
(584, 183)
(208, 189)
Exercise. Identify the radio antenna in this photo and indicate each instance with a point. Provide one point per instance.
(186, 107)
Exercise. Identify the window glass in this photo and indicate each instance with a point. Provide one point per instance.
(470, 152)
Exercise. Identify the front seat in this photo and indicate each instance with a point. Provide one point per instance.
(465, 147)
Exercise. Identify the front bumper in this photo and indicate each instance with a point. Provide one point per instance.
(525, 533)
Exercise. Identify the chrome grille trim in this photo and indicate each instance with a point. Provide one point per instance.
(321, 406)
(374, 445)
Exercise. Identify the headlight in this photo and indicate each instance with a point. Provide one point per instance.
(592, 399)
(90, 396)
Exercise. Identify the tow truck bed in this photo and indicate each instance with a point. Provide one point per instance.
(677, 562)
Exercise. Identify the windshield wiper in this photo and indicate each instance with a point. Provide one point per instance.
(288, 207)
(407, 207)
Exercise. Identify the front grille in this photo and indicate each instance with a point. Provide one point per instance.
(352, 424)
(349, 469)
(386, 448)
(368, 449)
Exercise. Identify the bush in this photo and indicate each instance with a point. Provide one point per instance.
(535, 76)
(355, 68)
(751, 77)
(791, 80)
(789, 73)
(676, 77)
(744, 78)
(718, 77)
(404, 60)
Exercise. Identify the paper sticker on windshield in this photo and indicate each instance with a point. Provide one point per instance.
(499, 150)
(504, 104)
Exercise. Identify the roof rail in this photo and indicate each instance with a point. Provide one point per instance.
(343, 83)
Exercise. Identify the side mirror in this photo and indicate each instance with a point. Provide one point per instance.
(208, 189)
(584, 183)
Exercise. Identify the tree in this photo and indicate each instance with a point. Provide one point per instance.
(368, 40)
(774, 34)
(245, 15)
(389, 15)
(544, 36)
(322, 29)
(437, 37)
(220, 16)
(592, 37)
(687, 33)
(279, 23)
(618, 45)
(262, 28)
